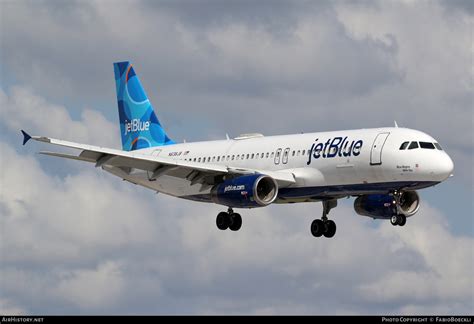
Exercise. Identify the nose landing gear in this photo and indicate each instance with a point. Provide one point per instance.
(398, 219)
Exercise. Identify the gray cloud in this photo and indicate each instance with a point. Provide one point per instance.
(231, 56)
(463, 6)
(274, 15)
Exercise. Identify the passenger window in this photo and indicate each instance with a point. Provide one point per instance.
(253, 154)
(233, 157)
(293, 153)
(199, 160)
(298, 153)
(218, 158)
(228, 157)
(404, 145)
(438, 146)
(256, 156)
(209, 159)
(427, 145)
(272, 155)
(267, 155)
(413, 145)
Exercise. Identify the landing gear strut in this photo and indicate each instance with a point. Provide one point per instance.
(397, 218)
(324, 226)
(229, 220)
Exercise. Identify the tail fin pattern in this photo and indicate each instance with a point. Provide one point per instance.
(139, 126)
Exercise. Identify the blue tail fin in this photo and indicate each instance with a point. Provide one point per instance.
(139, 126)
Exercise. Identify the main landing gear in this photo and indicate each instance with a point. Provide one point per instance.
(324, 226)
(230, 220)
(398, 219)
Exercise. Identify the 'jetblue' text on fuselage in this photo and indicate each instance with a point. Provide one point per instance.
(334, 147)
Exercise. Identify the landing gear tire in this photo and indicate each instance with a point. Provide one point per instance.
(317, 228)
(402, 221)
(394, 220)
(235, 222)
(223, 221)
(330, 229)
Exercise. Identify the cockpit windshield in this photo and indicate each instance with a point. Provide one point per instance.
(424, 145)
(427, 145)
(413, 145)
(404, 145)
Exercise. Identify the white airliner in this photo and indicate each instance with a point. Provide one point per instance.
(382, 167)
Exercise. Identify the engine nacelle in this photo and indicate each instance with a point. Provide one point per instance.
(385, 206)
(246, 191)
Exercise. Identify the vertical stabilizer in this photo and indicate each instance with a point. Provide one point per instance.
(139, 126)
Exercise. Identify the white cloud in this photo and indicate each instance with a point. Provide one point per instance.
(84, 209)
(29, 111)
(435, 59)
(448, 261)
(92, 289)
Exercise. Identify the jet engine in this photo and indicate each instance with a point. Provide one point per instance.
(386, 206)
(246, 191)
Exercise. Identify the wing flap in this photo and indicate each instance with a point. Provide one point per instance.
(67, 156)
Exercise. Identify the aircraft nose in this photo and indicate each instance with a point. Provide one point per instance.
(445, 166)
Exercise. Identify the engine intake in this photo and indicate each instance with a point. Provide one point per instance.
(246, 191)
(385, 206)
(409, 203)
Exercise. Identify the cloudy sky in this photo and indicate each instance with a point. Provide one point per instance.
(75, 240)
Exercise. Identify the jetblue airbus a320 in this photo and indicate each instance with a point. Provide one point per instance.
(381, 167)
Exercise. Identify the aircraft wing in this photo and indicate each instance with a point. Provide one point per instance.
(157, 166)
